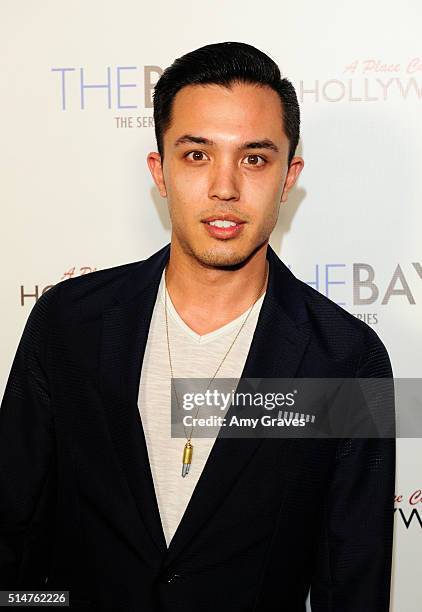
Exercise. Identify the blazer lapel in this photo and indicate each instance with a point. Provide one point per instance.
(277, 347)
(125, 332)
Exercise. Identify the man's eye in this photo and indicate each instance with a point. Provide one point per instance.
(255, 160)
(195, 155)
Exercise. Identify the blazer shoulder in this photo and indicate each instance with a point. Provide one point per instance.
(345, 334)
(87, 296)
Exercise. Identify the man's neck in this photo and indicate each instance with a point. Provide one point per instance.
(207, 298)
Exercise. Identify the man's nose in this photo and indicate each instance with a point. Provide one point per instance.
(224, 182)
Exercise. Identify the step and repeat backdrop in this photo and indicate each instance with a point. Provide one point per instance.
(77, 196)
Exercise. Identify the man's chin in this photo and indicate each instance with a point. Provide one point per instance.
(212, 253)
(223, 257)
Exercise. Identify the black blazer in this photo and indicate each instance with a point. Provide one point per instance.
(268, 519)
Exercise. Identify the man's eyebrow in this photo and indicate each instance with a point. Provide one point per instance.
(266, 143)
(260, 144)
(188, 138)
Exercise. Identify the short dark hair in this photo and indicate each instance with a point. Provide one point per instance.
(224, 64)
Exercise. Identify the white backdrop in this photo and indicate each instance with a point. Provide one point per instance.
(77, 195)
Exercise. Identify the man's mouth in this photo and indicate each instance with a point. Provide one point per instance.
(226, 226)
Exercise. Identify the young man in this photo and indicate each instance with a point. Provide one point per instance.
(94, 496)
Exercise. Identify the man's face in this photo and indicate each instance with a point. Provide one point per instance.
(225, 157)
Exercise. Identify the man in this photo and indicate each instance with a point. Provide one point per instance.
(96, 496)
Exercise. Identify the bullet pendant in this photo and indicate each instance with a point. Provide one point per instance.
(187, 458)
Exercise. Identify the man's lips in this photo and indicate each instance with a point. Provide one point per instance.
(224, 232)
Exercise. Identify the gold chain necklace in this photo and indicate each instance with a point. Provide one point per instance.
(188, 449)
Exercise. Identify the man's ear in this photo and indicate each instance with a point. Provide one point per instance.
(156, 169)
(295, 168)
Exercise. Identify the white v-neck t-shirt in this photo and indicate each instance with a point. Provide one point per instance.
(193, 356)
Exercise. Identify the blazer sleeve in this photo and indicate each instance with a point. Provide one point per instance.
(353, 563)
(27, 457)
